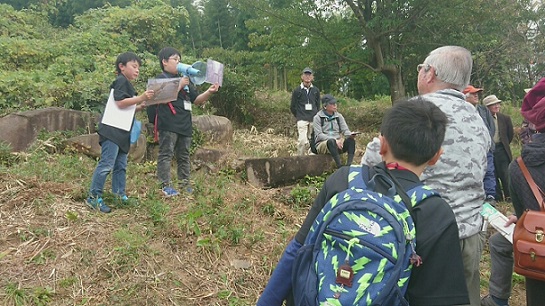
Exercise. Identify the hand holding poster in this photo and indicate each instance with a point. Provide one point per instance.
(214, 72)
(165, 90)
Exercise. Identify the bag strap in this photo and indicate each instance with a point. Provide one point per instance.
(381, 171)
(400, 191)
(155, 130)
(538, 193)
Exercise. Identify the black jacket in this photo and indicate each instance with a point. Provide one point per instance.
(506, 131)
(300, 97)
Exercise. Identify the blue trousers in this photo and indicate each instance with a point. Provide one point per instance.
(111, 160)
(489, 176)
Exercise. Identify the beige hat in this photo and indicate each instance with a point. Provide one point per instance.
(489, 100)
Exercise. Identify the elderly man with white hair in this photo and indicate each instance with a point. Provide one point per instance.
(458, 175)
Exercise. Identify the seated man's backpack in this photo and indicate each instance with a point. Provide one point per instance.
(529, 234)
(361, 247)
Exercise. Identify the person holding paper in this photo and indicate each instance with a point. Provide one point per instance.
(115, 141)
(174, 124)
(501, 250)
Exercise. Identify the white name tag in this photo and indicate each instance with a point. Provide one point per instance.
(187, 105)
(308, 106)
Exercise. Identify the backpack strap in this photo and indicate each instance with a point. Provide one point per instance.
(418, 193)
(356, 178)
(360, 178)
(155, 131)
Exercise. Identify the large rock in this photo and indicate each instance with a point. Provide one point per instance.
(21, 129)
(88, 145)
(279, 171)
(217, 129)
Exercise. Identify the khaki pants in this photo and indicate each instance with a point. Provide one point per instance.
(472, 248)
(304, 129)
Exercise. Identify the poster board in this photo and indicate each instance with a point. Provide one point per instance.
(164, 90)
(120, 118)
(214, 72)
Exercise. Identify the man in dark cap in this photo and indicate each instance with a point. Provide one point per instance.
(332, 133)
(305, 103)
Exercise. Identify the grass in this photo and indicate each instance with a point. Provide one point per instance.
(215, 247)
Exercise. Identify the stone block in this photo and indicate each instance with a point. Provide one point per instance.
(279, 171)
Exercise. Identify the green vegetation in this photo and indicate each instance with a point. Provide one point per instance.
(61, 53)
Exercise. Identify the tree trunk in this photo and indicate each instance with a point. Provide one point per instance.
(275, 78)
(397, 88)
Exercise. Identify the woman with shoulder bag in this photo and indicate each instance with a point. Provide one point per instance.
(524, 198)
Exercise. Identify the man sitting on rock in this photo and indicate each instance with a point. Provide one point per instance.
(331, 132)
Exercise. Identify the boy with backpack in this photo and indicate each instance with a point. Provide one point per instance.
(412, 134)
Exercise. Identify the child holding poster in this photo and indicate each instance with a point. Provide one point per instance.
(115, 141)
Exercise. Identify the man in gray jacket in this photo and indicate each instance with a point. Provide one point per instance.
(459, 173)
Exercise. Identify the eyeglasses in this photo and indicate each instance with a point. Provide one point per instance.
(426, 67)
(175, 58)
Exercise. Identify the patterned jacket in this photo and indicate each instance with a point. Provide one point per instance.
(459, 173)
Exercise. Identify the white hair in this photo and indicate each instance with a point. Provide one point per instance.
(452, 65)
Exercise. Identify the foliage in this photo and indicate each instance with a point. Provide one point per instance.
(74, 67)
(6, 157)
(350, 42)
(235, 100)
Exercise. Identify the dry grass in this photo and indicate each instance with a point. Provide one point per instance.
(216, 247)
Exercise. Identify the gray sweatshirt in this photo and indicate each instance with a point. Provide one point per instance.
(458, 175)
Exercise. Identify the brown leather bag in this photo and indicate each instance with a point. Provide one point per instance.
(529, 235)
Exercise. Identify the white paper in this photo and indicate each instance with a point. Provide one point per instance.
(498, 220)
(164, 90)
(120, 118)
(214, 72)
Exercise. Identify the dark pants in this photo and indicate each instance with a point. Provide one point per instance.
(490, 176)
(349, 145)
(501, 164)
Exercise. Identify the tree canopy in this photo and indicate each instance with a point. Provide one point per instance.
(62, 51)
